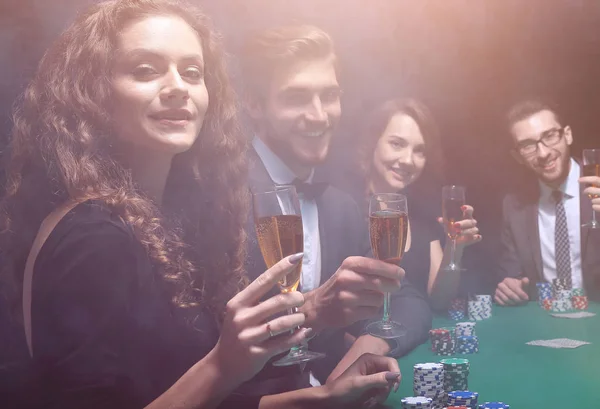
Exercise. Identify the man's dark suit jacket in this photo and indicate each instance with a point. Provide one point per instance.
(521, 256)
(343, 233)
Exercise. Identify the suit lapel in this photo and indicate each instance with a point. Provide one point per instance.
(530, 221)
(324, 219)
(259, 179)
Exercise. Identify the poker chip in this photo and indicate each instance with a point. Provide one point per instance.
(561, 305)
(577, 292)
(457, 310)
(485, 299)
(416, 402)
(463, 398)
(441, 340)
(479, 310)
(467, 344)
(547, 304)
(559, 284)
(445, 348)
(429, 383)
(579, 302)
(456, 373)
(494, 405)
(563, 295)
(456, 315)
(544, 293)
(464, 328)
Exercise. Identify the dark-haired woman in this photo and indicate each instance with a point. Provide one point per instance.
(399, 142)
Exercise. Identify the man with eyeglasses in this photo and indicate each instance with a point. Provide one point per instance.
(542, 238)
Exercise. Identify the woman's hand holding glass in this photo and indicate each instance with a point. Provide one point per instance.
(465, 230)
(254, 331)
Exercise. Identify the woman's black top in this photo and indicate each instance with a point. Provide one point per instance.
(105, 334)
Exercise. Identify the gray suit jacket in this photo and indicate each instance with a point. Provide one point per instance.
(520, 254)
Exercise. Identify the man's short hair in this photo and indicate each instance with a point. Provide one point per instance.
(267, 51)
(527, 108)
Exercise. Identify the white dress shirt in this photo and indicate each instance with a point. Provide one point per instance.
(546, 224)
(281, 174)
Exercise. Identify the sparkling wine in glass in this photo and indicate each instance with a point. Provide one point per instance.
(453, 199)
(388, 228)
(591, 167)
(278, 225)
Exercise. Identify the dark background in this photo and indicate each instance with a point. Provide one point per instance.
(468, 60)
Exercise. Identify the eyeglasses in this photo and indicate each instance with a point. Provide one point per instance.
(548, 138)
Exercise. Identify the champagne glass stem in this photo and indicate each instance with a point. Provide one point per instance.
(593, 217)
(297, 348)
(453, 252)
(386, 308)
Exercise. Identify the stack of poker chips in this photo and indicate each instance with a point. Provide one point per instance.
(416, 402)
(467, 344)
(494, 405)
(465, 329)
(561, 305)
(544, 295)
(562, 301)
(456, 374)
(559, 284)
(547, 304)
(458, 308)
(580, 302)
(442, 341)
(480, 308)
(429, 382)
(578, 299)
(463, 398)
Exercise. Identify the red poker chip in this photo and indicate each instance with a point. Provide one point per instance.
(580, 302)
(547, 304)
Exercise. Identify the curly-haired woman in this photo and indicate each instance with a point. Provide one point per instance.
(126, 204)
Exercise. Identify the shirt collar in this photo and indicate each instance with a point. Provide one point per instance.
(279, 172)
(570, 187)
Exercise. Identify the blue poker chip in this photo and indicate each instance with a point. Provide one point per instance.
(494, 405)
(463, 394)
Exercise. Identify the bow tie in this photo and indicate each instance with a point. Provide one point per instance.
(309, 191)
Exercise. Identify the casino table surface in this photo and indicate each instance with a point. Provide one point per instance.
(524, 376)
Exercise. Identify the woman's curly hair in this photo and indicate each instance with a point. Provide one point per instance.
(61, 150)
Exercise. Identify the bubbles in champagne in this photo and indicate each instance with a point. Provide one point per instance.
(278, 237)
(388, 230)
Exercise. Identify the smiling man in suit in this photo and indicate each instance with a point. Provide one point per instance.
(542, 235)
(290, 75)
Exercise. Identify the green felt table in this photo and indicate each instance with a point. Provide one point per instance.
(524, 376)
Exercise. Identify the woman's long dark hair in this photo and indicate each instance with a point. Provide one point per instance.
(61, 150)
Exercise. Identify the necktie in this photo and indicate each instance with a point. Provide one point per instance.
(562, 249)
(310, 191)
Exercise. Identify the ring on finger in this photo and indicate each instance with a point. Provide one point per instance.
(269, 330)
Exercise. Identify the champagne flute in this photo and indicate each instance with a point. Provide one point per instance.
(278, 225)
(591, 167)
(388, 228)
(453, 199)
